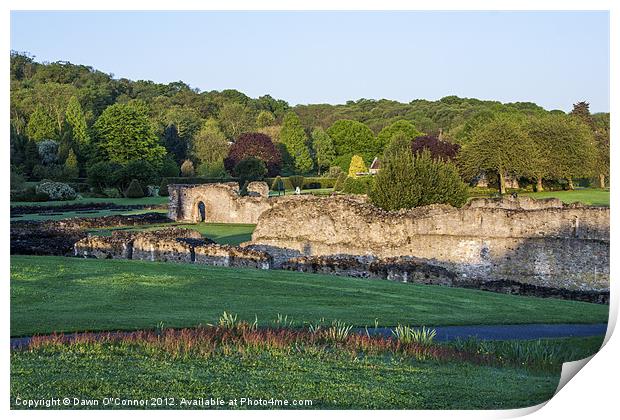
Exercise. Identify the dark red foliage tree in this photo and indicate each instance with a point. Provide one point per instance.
(256, 145)
(439, 149)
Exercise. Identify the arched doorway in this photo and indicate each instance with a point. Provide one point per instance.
(202, 213)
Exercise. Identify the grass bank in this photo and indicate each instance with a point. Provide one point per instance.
(68, 294)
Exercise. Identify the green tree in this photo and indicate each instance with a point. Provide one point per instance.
(407, 181)
(400, 142)
(402, 127)
(294, 138)
(41, 126)
(248, 170)
(323, 148)
(566, 148)
(124, 133)
(581, 110)
(187, 168)
(352, 137)
(77, 123)
(357, 166)
(210, 146)
(500, 145)
(71, 166)
(601, 136)
(235, 119)
(265, 119)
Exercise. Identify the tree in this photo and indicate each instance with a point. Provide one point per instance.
(581, 110)
(357, 166)
(124, 133)
(386, 135)
(48, 151)
(500, 145)
(439, 149)
(255, 145)
(601, 136)
(407, 181)
(169, 168)
(140, 170)
(134, 190)
(566, 148)
(294, 138)
(323, 146)
(71, 165)
(265, 119)
(210, 146)
(187, 169)
(235, 119)
(174, 144)
(352, 137)
(41, 126)
(249, 169)
(77, 123)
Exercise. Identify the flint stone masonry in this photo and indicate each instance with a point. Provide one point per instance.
(171, 245)
(522, 241)
(222, 202)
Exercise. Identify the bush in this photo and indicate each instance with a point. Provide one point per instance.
(187, 168)
(296, 181)
(334, 172)
(48, 151)
(111, 193)
(140, 170)
(56, 191)
(358, 185)
(52, 171)
(169, 168)
(102, 175)
(339, 184)
(250, 169)
(277, 184)
(29, 195)
(17, 181)
(357, 166)
(407, 181)
(134, 190)
(163, 188)
(212, 170)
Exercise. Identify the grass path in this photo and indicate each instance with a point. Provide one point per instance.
(68, 294)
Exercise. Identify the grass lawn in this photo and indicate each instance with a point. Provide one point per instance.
(591, 196)
(329, 379)
(71, 214)
(87, 200)
(222, 233)
(70, 294)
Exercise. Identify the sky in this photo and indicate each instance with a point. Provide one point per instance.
(551, 58)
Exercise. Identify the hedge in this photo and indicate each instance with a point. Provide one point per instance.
(310, 183)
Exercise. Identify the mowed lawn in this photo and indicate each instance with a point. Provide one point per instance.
(69, 294)
(590, 196)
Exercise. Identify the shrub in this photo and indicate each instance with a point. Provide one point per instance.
(169, 168)
(71, 170)
(29, 195)
(296, 181)
(48, 151)
(56, 191)
(187, 168)
(339, 184)
(277, 184)
(163, 188)
(111, 193)
(102, 175)
(134, 190)
(359, 185)
(17, 181)
(255, 145)
(407, 181)
(140, 170)
(357, 166)
(250, 169)
(52, 171)
(334, 172)
(212, 170)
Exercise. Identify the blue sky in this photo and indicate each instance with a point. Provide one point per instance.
(551, 58)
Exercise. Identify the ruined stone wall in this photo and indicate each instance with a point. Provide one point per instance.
(222, 203)
(520, 240)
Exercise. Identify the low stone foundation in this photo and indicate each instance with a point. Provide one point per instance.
(169, 245)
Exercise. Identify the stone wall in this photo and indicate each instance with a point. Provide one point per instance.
(169, 245)
(222, 203)
(540, 243)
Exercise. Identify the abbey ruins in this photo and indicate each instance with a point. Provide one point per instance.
(518, 244)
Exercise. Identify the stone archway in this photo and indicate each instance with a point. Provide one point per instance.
(202, 212)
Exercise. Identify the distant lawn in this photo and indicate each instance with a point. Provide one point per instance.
(222, 233)
(86, 200)
(70, 294)
(591, 196)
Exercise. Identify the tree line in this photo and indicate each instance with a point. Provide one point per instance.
(71, 121)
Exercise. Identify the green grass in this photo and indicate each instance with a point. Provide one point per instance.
(591, 196)
(69, 294)
(332, 379)
(71, 214)
(222, 233)
(87, 200)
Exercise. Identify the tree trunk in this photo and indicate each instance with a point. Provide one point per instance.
(502, 183)
(539, 185)
(570, 184)
(601, 180)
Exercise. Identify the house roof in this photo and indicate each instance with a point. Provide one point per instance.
(376, 164)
